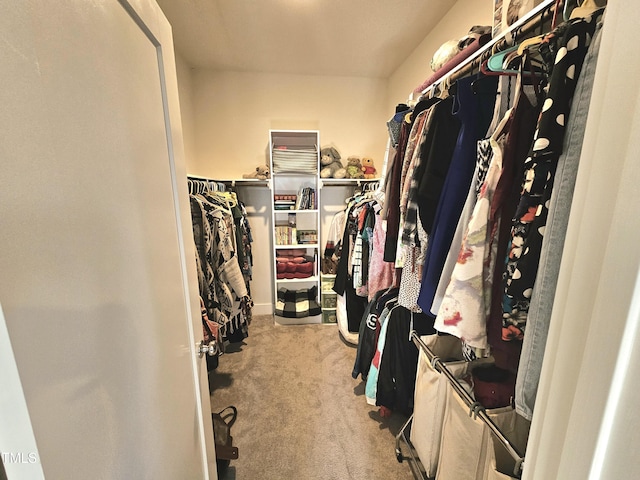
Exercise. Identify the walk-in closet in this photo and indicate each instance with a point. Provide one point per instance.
(315, 240)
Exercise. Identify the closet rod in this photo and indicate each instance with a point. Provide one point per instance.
(347, 182)
(475, 408)
(233, 182)
(527, 23)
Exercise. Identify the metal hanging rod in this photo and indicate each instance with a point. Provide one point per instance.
(367, 183)
(475, 407)
(530, 21)
(232, 182)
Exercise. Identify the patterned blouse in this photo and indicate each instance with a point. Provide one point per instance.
(527, 229)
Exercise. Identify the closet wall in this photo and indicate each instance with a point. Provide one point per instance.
(235, 110)
(185, 93)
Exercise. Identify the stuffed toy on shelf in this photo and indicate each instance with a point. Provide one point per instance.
(354, 167)
(368, 169)
(330, 164)
(261, 173)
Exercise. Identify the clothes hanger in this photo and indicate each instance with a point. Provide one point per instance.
(499, 63)
(495, 63)
(586, 8)
(531, 42)
(372, 186)
(569, 6)
(536, 40)
(484, 69)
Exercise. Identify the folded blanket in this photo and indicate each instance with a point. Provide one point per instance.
(298, 303)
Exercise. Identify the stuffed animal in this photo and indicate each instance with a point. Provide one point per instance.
(330, 164)
(354, 168)
(261, 173)
(367, 167)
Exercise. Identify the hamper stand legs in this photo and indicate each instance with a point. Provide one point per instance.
(417, 469)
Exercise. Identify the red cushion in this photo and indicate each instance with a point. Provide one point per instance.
(290, 267)
(305, 268)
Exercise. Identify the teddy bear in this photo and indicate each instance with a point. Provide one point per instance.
(354, 168)
(330, 164)
(367, 167)
(261, 173)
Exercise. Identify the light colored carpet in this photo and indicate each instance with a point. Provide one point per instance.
(300, 413)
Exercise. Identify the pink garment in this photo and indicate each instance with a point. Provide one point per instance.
(381, 273)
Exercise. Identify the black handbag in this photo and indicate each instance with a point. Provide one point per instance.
(222, 422)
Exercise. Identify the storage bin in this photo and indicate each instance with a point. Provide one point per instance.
(329, 300)
(329, 316)
(430, 398)
(327, 282)
(468, 449)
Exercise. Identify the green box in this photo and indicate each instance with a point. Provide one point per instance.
(327, 282)
(329, 316)
(329, 300)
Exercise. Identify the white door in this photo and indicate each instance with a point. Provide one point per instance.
(97, 269)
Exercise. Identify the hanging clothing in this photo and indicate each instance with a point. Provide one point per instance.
(392, 201)
(531, 215)
(485, 154)
(484, 157)
(539, 316)
(381, 273)
(464, 309)
(410, 162)
(474, 102)
(437, 152)
(333, 246)
(368, 337)
(360, 212)
(371, 387)
(411, 274)
(202, 237)
(503, 206)
(366, 238)
(221, 234)
(410, 193)
(399, 363)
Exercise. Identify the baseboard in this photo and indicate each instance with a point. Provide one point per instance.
(262, 309)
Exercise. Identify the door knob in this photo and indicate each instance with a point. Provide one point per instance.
(210, 349)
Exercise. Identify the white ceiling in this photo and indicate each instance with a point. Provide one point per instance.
(369, 38)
